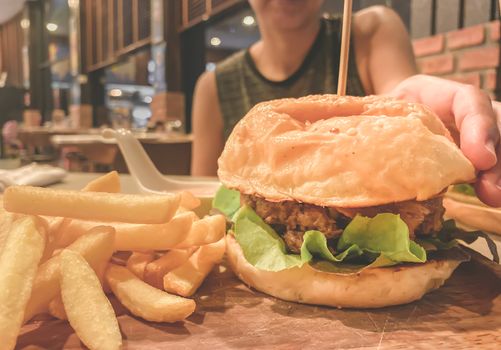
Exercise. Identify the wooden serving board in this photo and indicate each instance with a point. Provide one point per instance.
(464, 314)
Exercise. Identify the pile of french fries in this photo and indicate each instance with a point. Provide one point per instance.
(62, 251)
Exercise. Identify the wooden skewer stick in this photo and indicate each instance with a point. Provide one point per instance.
(345, 48)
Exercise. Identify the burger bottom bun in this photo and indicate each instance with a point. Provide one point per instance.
(371, 288)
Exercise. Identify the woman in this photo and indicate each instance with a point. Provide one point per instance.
(298, 55)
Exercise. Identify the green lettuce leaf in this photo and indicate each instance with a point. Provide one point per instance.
(454, 253)
(386, 234)
(315, 244)
(347, 268)
(261, 245)
(265, 249)
(226, 201)
(466, 189)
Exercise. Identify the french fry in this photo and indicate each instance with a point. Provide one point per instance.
(56, 308)
(186, 279)
(156, 270)
(208, 230)
(136, 237)
(70, 230)
(141, 209)
(137, 262)
(189, 201)
(6, 220)
(54, 224)
(154, 237)
(109, 182)
(96, 247)
(88, 309)
(146, 301)
(18, 265)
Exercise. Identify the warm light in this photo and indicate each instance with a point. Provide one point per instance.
(151, 66)
(210, 66)
(25, 23)
(215, 41)
(51, 27)
(73, 3)
(115, 92)
(248, 21)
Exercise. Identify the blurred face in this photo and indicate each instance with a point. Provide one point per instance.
(286, 14)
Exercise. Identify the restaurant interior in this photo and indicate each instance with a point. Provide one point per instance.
(69, 68)
(336, 220)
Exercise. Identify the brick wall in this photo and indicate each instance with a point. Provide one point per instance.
(469, 55)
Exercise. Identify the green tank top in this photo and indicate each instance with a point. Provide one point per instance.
(240, 85)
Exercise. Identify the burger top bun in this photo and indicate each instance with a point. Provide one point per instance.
(342, 151)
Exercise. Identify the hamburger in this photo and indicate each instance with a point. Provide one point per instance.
(338, 201)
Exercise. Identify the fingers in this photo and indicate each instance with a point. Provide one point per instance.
(466, 107)
(478, 141)
(474, 115)
(488, 186)
(476, 121)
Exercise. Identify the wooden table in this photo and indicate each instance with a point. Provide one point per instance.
(37, 140)
(27, 131)
(170, 153)
(464, 314)
(39, 136)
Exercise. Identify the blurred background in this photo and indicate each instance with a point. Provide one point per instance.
(69, 67)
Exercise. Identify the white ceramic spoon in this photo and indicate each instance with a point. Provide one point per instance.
(149, 179)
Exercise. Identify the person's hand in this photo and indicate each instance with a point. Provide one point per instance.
(470, 111)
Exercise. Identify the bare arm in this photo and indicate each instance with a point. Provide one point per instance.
(382, 49)
(207, 127)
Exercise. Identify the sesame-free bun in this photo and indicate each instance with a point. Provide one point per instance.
(342, 151)
(370, 288)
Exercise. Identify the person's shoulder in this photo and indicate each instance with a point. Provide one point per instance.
(231, 62)
(207, 79)
(206, 82)
(205, 99)
(371, 19)
(225, 69)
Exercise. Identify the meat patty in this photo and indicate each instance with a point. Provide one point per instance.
(291, 219)
(422, 218)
